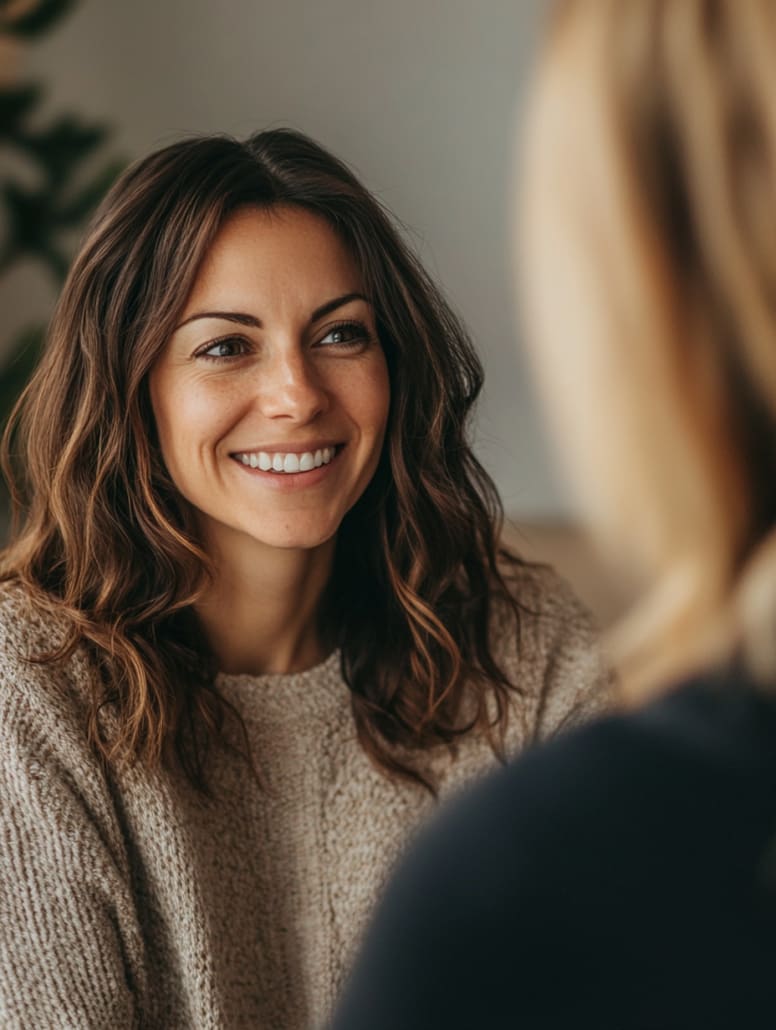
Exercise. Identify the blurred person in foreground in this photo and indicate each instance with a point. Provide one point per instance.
(625, 876)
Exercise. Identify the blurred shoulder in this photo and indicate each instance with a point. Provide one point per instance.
(701, 755)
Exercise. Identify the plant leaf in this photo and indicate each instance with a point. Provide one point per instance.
(62, 146)
(33, 222)
(74, 211)
(15, 104)
(45, 14)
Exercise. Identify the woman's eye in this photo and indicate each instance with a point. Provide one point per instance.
(231, 347)
(346, 335)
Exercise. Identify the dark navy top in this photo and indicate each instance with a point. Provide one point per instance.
(622, 876)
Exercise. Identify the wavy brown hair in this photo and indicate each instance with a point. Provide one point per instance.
(102, 538)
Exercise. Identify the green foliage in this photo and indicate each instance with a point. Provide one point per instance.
(42, 214)
(32, 23)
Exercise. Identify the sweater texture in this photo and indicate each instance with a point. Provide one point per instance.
(128, 899)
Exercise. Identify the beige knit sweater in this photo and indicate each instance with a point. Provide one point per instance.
(130, 900)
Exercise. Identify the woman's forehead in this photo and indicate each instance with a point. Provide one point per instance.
(274, 257)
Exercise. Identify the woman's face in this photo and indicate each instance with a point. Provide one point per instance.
(271, 397)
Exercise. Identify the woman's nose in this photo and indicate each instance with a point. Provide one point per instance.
(291, 388)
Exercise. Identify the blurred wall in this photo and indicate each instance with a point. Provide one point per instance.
(419, 96)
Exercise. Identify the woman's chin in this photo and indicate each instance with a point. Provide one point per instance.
(293, 538)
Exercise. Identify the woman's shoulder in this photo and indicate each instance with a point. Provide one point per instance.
(28, 629)
(722, 719)
(627, 768)
(689, 775)
(653, 818)
(545, 598)
(50, 773)
(704, 748)
(32, 689)
(553, 654)
(23, 621)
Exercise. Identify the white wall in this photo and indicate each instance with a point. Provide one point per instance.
(418, 95)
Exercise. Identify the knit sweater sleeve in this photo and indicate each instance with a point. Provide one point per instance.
(67, 926)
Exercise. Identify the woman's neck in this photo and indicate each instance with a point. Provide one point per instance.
(261, 614)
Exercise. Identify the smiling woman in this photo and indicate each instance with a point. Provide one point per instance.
(276, 365)
(254, 615)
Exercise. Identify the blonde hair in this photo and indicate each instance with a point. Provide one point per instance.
(648, 223)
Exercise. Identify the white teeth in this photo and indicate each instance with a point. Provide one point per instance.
(287, 463)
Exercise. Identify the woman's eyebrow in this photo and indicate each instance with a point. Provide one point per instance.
(338, 302)
(242, 318)
(226, 316)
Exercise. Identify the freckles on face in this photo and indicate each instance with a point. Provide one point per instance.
(271, 397)
(194, 412)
